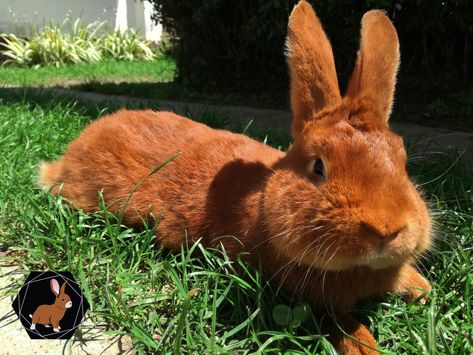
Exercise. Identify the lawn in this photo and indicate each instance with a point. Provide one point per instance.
(195, 301)
(107, 70)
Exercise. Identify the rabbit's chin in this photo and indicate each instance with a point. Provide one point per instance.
(375, 261)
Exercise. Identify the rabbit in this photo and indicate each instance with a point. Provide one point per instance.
(47, 314)
(335, 219)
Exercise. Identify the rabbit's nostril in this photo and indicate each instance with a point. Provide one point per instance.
(69, 304)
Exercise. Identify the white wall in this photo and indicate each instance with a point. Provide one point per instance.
(16, 16)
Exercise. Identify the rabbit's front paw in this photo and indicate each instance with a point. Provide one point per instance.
(362, 343)
(350, 337)
(413, 285)
(56, 330)
(33, 326)
(351, 347)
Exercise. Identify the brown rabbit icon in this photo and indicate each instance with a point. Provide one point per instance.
(47, 314)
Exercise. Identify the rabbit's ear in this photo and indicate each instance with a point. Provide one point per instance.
(54, 286)
(374, 76)
(314, 84)
(63, 288)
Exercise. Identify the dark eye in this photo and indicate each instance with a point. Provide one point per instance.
(319, 167)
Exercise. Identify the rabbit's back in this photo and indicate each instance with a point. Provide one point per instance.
(114, 153)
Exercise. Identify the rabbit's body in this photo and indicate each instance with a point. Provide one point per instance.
(215, 190)
(216, 168)
(48, 314)
(335, 218)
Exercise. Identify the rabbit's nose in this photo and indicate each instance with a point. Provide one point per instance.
(69, 304)
(384, 231)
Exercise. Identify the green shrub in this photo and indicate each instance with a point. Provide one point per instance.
(239, 44)
(52, 44)
(456, 107)
(229, 43)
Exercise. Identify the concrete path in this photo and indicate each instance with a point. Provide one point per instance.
(422, 137)
(88, 339)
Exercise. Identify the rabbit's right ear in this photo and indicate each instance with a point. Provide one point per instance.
(374, 76)
(54, 286)
(314, 84)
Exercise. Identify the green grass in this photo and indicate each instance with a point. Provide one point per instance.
(159, 70)
(195, 301)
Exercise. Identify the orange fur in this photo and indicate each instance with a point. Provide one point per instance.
(49, 173)
(336, 239)
(314, 82)
(374, 76)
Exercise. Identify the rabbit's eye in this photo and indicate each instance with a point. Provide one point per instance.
(319, 168)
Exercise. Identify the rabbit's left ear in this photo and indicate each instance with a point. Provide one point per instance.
(54, 286)
(374, 77)
(63, 287)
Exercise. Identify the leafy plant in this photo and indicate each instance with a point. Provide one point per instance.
(53, 44)
(18, 50)
(125, 46)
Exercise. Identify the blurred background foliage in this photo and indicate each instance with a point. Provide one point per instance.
(239, 44)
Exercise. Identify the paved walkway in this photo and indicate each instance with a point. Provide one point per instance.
(424, 138)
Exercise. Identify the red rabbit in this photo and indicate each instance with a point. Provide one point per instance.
(335, 218)
(47, 314)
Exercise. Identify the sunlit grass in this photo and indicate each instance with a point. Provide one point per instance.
(196, 300)
(105, 71)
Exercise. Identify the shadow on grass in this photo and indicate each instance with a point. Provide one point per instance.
(212, 116)
(45, 98)
(451, 112)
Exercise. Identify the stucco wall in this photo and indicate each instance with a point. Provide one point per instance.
(16, 16)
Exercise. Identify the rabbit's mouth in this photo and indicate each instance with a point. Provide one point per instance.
(337, 253)
(68, 304)
(383, 261)
(375, 261)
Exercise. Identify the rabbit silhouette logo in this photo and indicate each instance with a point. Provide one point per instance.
(50, 305)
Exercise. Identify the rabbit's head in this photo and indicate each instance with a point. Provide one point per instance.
(341, 197)
(63, 300)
